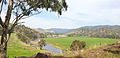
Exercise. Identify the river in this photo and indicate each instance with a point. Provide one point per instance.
(50, 47)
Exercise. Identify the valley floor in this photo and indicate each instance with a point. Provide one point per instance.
(18, 48)
(91, 42)
(94, 48)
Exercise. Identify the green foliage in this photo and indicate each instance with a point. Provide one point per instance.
(28, 7)
(77, 45)
(42, 43)
(65, 42)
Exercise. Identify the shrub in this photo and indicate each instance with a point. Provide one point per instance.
(42, 43)
(77, 45)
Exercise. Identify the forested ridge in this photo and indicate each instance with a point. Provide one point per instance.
(26, 34)
(104, 31)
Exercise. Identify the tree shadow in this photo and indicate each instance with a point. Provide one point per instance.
(66, 57)
(116, 51)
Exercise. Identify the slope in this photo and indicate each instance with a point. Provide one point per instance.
(105, 31)
(18, 48)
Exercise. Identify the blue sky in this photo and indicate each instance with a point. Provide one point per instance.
(79, 13)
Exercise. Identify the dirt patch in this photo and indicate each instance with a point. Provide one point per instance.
(107, 48)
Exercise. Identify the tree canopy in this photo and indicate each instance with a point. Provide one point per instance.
(22, 8)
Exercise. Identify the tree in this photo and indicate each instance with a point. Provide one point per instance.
(42, 43)
(77, 45)
(22, 9)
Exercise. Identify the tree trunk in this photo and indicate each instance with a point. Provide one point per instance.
(3, 52)
(3, 44)
(6, 32)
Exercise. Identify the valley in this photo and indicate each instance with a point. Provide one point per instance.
(58, 44)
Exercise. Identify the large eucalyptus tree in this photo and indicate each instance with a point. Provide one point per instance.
(22, 9)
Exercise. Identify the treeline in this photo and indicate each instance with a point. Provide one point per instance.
(26, 34)
(102, 32)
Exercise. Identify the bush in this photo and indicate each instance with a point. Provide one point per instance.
(42, 43)
(77, 45)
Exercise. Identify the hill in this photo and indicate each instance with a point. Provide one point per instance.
(102, 31)
(26, 34)
(44, 30)
(18, 48)
(60, 31)
(94, 27)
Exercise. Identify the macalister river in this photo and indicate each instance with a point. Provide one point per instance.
(50, 47)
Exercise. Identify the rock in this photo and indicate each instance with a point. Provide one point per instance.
(38, 55)
(41, 55)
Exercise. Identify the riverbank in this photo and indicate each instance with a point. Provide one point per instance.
(18, 48)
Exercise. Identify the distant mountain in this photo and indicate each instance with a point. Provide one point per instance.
(62, 31)
(44, 30)
(40, 29)
(98, 27)
(103, 31)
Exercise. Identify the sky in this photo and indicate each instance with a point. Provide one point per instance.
(79, 13)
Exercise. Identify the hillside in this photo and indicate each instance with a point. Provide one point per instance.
(15, 45)
(102, 31)
(60, 31)
(26, 34)
(44, 30)
(96, 27)
(18, 48)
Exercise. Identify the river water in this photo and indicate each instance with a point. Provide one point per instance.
(50, 47)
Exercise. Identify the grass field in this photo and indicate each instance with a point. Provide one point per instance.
(18, 48)
(65, 42)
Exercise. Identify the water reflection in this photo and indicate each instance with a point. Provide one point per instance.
(52, 49)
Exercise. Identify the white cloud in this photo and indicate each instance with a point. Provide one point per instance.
(81, 12)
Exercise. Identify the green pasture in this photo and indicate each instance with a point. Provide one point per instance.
(65, 42)
(17, 48)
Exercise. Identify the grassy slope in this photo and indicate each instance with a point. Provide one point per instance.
(113, 52)
(18, 48)
(65, 42)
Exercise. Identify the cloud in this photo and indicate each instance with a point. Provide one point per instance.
(79, 13)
